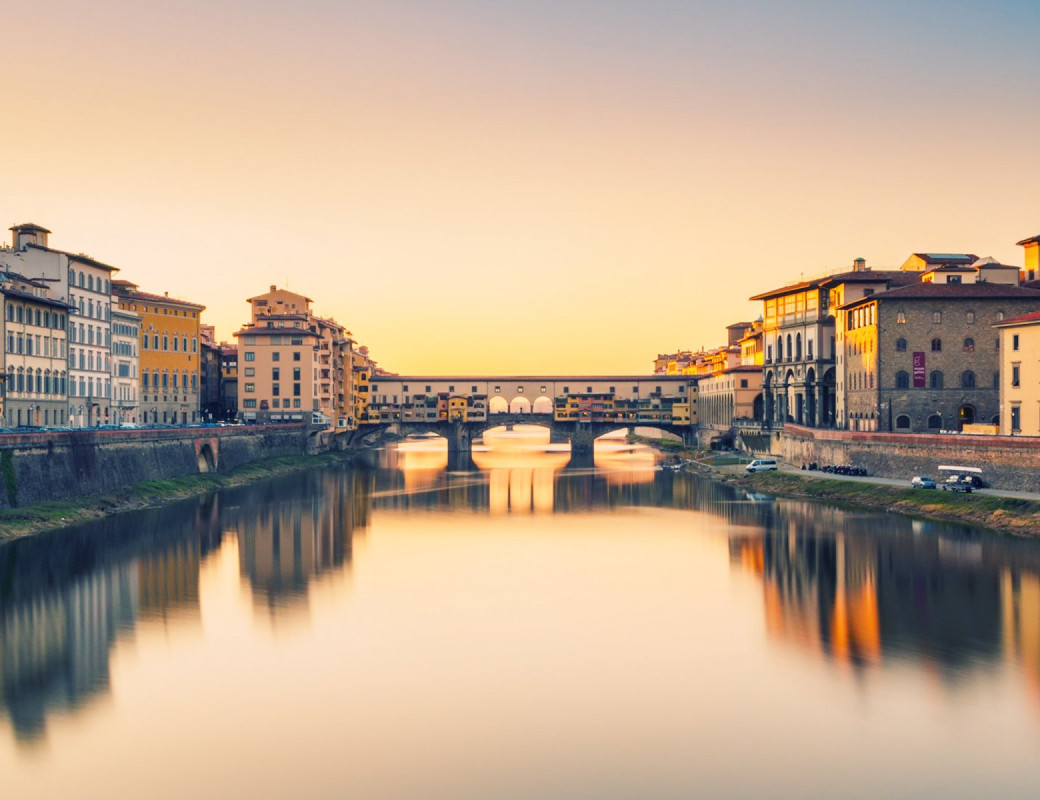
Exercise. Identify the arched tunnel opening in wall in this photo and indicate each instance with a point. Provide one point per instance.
(207, 458)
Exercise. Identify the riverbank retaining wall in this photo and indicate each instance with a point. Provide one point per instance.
(1007, 462)
(53, 465)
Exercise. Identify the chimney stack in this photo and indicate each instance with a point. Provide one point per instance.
(859, 265)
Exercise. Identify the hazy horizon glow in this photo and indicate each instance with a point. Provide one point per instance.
(520, 188)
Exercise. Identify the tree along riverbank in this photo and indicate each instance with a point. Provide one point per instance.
(1004, 514)
(18, 522)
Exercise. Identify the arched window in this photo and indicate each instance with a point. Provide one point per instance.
(969, 345)
(902, 422)
(780, 348)
(900, 318)
(901, 345)
(968, 379)
(971, 317)
(798, 347)
(1000, 316)
(936, 345)
(935, 422)
(935, 380)
(789, 350)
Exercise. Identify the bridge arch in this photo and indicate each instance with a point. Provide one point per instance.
(520, 405)
(542, 405)
(498, 405)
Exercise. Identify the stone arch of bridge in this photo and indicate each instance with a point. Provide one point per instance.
(520, 405)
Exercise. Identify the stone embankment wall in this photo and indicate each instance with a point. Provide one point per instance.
(1008, 462)
(37, 467)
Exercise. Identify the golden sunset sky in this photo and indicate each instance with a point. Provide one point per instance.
(519, 187)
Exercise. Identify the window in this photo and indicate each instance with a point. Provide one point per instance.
(900, 345)
(250, 387)
(276, 356)
(936, 345)
(1016, 418)
(296, 373)
(249, 402)
(1015, 375)
(902, 422)
(968, 379)
(902, 379)
(296, 357)
(275, 373)
(249, 355)
(1000, 316)
(935, 380)
(275, 389)
(970, 316)
(1014, 341)
(969, 345)
(296, 390)
(935, 422)
(250, 372)
(900, 318)
(937, 318)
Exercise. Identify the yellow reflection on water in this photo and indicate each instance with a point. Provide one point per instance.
(521, 462)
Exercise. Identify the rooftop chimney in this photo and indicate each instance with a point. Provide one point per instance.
(859, 265)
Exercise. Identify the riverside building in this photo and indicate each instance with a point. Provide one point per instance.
(169, 354)
(84, 285)
(35, 369)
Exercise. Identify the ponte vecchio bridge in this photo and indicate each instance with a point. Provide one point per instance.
(580, 408)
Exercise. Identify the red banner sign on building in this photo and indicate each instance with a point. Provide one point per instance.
(919, 371)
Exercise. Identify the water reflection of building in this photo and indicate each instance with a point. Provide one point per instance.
(54, 650)
(857, 586)
(66, 597)
(287, 541)
(1020, 596)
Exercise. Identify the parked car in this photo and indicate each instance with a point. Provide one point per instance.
(761, 465)
(921, 482)
(958, 483)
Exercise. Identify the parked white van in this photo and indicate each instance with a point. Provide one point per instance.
(761, 465)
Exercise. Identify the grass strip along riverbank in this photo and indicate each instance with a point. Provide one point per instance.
(1012, 515)
(17, 522)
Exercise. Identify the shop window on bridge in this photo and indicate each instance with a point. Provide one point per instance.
(902, 422)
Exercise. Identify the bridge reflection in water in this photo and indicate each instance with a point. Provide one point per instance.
(520, 463)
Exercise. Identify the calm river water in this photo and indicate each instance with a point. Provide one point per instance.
(518, 629)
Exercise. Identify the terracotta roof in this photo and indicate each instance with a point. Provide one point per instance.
(947, 258)
(134, 294)
(1033, 317)
(47, 301)
(952, 291)
(279, 332)
(851, 276)
(79, 257)
(29, 226)
(890, 276)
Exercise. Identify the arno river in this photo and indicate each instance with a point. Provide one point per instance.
(519, 629)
